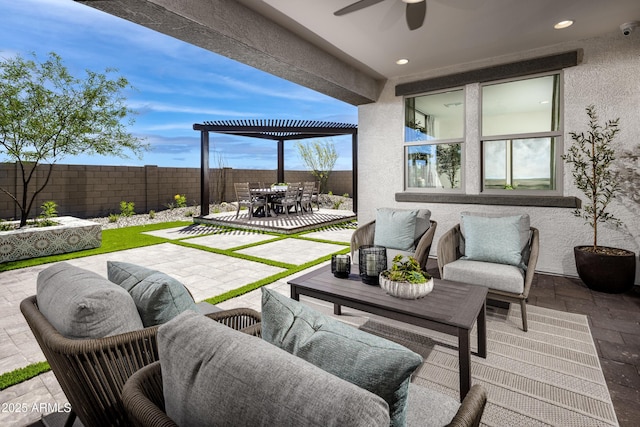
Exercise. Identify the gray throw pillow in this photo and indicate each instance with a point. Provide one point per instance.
(81, 304)
(215, 375)
(158, 297)
(395, 228)
(373, 363)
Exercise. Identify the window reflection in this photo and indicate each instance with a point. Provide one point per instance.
(434, 166)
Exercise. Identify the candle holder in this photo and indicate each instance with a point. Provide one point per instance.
(373, 260)
(341, 266)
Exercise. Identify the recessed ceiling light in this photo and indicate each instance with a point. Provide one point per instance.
(402, 61)
(413, 1)
(563, 24)
(544, 102)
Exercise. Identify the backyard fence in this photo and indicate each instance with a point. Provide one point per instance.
(93, 191)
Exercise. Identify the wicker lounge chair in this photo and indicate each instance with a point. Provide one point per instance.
(364, 235)
(143, 399)
(92, 372)
(449, 252)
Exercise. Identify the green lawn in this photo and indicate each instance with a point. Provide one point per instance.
(120, 239)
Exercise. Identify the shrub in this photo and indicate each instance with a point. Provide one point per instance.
(127, 208)
(181, 200)
(49, 209)
(152, 214)
(113, 217)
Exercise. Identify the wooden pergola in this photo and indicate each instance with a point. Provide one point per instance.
(274, 130)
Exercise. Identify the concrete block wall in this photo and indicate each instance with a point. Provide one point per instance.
(92, 191)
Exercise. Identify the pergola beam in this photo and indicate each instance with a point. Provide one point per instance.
(275, 130)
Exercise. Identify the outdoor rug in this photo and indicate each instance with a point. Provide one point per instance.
(548, 376)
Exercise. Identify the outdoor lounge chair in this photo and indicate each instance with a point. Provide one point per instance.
(143, 399)
(92, 372)
(366, 235)
(508, 283)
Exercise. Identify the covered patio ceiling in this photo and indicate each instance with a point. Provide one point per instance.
(274, 130)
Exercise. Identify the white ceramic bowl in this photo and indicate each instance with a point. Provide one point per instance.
(406, 290)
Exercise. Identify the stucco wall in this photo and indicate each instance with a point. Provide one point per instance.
(607, 77)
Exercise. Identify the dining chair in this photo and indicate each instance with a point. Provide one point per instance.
(290, 198)
(306, 196)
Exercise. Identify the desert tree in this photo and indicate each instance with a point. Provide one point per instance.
(320, 157)
(47, 114)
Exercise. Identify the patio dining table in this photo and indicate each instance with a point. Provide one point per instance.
(270, 193)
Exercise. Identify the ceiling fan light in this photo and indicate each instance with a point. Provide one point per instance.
(563, 24)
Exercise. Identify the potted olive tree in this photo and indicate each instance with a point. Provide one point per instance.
(591, 156)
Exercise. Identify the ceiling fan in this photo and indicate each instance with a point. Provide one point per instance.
(416, 10)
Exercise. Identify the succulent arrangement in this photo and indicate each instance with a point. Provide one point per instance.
(406, 269)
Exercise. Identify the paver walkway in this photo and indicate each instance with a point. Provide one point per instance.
(205, 274)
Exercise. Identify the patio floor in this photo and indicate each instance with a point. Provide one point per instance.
(285, 224)
(613, 319)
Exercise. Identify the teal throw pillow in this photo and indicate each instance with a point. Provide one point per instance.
(395, 228)
(492, 239)
(158, 297)
(373, 363)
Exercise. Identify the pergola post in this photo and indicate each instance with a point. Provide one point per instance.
(204, 173)
(280, 161)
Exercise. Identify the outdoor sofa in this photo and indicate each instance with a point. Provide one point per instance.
(307, 369)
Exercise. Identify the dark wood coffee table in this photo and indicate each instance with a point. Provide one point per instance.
(450, 308)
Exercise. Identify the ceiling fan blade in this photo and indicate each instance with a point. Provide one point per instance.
(415, 14)
(356, 6)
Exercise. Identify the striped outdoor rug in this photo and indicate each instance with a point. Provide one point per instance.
(548, 376)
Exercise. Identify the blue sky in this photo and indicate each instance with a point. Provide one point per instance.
(176, 84)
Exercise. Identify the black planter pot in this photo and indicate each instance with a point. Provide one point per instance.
(613, 274)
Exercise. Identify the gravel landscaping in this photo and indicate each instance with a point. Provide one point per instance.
(185, 214)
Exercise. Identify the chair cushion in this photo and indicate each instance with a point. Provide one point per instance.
(81, 304)
(373, 363)
(430, 408)
(524, 227)
(215, 375)
(158, 297)
(492, 239)
(395, 228)
(501, 277)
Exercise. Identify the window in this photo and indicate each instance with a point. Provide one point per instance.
(521, 137)
(434, 132)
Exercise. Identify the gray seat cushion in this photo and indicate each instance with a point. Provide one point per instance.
(81, 304)
(501, 277)
(215, 375)
(373, 363)
(430, 408)
(158, 297)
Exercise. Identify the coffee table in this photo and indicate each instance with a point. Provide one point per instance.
(451, 308)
